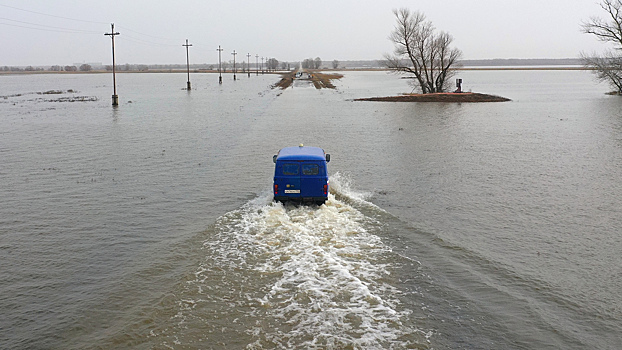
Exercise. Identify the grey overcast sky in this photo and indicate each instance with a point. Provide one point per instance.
(62, 32)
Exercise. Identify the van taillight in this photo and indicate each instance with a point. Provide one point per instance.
(326, 189)
(276, 189)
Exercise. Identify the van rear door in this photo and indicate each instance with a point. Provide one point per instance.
(288, 179)
(312, 179)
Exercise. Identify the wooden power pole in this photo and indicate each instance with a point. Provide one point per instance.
(115, 97)
(234, 53)
(219, 70)
(188, 63)
(248, 64)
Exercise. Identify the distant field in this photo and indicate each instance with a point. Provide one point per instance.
(196, 71)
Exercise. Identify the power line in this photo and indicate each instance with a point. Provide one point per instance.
(147, 35)
(69, 30)
(45, 14)
(47, 28)
(60, 29)
(145, 42)
(41, 27)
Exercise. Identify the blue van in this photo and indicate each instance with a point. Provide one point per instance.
(301, 175)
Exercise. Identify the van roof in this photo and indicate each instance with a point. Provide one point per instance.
(301, 153)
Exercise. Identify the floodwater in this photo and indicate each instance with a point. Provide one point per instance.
(448, 226)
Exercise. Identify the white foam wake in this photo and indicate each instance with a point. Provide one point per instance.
(331, 290)
(278, 276)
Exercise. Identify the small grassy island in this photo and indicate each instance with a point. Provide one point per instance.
(439, 97)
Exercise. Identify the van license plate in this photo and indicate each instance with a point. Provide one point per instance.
(292, 191)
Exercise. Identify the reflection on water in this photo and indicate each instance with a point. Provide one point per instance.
(450, 226)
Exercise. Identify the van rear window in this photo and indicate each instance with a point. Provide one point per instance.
(310, 169)
(290, 169)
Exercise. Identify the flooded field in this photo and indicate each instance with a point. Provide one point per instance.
(448, 226)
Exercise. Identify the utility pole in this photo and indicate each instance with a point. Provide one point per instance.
(262, 66)
(257, 63)
(115, 98)
(219, 70)
(188, 63)
(248, 63)
(234, 53)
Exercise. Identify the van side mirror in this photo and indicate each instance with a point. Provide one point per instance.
(274, 158)
(327, 158)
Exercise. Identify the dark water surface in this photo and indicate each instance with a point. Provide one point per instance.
(449, 226)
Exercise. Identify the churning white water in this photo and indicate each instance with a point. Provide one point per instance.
(299, 277)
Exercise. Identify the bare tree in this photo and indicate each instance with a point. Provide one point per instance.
(607, 67)
(307, 63)
(272, 64)
(317, 63)
(420, 51)
(335, 64)
(607, 31)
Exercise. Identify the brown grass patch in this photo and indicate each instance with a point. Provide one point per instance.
(439, 97)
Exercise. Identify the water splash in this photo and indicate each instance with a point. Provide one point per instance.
(343, 186)
(281, 276)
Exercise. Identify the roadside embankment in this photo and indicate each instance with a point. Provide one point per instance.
(319, 80)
